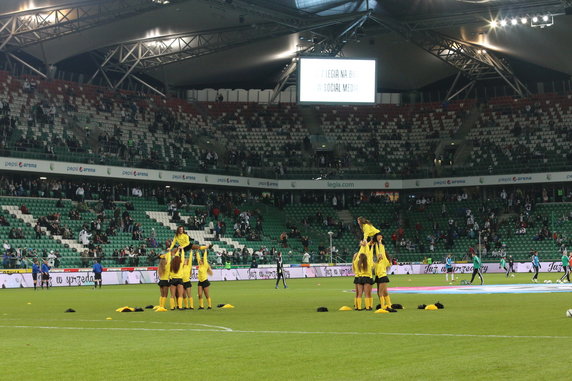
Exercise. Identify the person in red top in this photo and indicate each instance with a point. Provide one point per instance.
(216, 212)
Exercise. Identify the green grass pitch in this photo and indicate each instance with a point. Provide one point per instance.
(278, 335)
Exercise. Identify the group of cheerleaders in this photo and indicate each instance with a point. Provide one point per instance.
(174, 272)
(370, 265)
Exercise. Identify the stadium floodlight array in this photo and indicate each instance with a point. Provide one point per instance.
(536, 21)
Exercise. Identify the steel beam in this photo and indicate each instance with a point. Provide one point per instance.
(30, 27)
(473, 61)
(150, 53)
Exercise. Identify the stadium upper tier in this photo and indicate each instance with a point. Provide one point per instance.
(68, 121)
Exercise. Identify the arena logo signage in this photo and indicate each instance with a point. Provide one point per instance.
(20, 164)
(135, 173)
(450, 182)
(227, 180)
(81, 169)
(268, 184)
(184, 177)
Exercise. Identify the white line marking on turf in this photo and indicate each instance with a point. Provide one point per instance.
(293, 332)
(218, 327)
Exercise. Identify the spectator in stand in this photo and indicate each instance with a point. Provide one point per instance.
(84, 237)
(137, 192)
(80, 193)
(38, 230)
(3, 221)
(284, 239)
(24, 209)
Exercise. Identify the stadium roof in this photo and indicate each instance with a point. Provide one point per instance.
(247, 44)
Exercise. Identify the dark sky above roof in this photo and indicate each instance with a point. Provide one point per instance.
(401, 64)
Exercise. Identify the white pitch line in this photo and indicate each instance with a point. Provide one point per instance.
(129, 321)
(228, 330)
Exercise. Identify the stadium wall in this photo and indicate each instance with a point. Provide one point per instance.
(147, 275)
(44, 168)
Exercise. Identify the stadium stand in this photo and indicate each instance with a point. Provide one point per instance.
(131, 230)
(57, 119)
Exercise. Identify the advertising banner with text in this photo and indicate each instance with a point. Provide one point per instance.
(45, 168)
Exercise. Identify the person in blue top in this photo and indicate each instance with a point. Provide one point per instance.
(449, 268)
(97, 270)
(35, 272)
(535, 266)
(45, 270)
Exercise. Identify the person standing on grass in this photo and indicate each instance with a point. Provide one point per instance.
(449, 268)
(363, 275)
(535, 266)
(45, 270)
(280, 270)
(97, 270)
(187, 296)
(510, 265)
(381, 278)
(565, 266)
(477, 268)
(203, 285)
(163, 274)
(504, 266)
(35, 272)
(176, 279)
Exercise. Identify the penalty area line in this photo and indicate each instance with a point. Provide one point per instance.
(228, 330)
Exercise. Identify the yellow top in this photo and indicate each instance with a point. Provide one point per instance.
(178, 274)
(367, 272)
(187, 269)
(182, 240)
(204, 268)
(382, 261)
(368, 231)
(164, 275)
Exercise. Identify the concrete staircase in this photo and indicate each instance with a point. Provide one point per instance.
(30, 219)
(311, 120)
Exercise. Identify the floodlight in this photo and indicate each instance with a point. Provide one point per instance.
(493, 24)
(545, 18)
(514, 21)
(535, 19)
(524, 20)
(503, 23)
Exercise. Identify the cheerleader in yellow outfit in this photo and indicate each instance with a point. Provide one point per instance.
(176, 279)
(164, 273)
(381, 279)
(203, 285)
(363, 269)
(187, 268)
(367, 228)
(182, 240)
